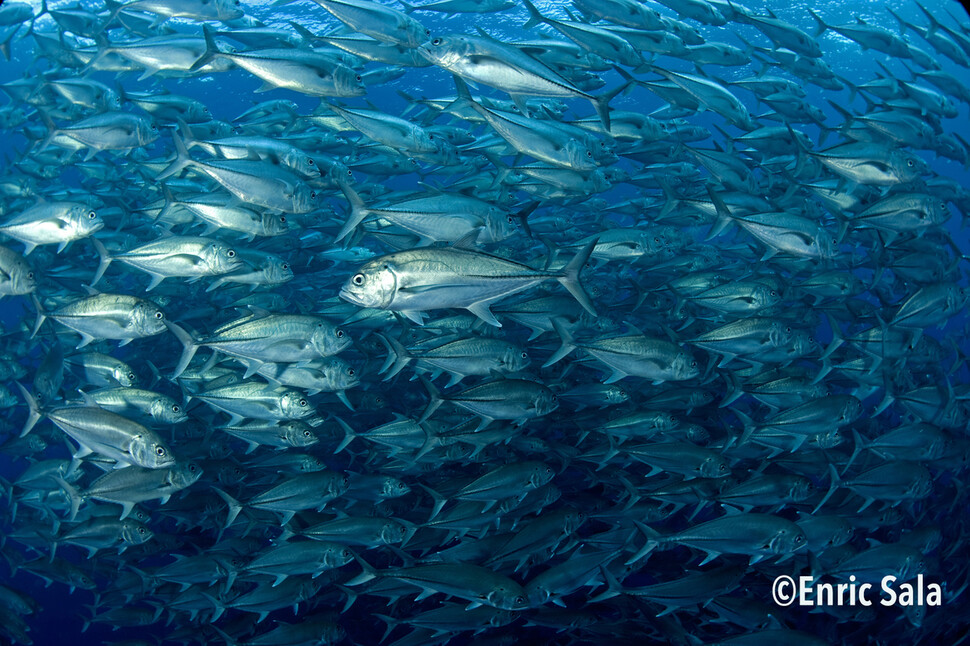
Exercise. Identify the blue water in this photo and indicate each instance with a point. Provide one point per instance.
(231, 93)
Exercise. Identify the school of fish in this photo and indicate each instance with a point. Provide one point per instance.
(494, 323)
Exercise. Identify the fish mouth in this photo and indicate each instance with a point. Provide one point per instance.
(350, 297)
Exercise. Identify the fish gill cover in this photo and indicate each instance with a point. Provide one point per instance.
(479, 322)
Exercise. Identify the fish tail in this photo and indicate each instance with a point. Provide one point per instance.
(601, 103)
(368, 574)
(182, 159)
(189, 344)
(234, 507)
(72, 493)
(408, 9)
(652, 542)
(570, 278)
(105, 260)
(464, 99)
(397, 357)
(834, 483)
(523, 216)
(568, 343)
(436, 400)
(358, 211)
(724, 217)
(934, 23)
(34, 415)
(43, 10)
(535, 17)
(5, 45)
(349, 434)
(822, 26)
(211, 50)
(41, 315)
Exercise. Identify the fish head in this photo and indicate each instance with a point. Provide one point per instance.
(787, 540)
(297, 433)
(83, 220)
(151, 453)
(185, 474)
(147, 319)
(393, 532)
(374, 285)
(22, 279)
(276, 270)
(134, 533)
(124, 375)
(908, 165)
(685, 366)
(579, 156)
(714, 466)
(514, 358)
(221, 258)
(347, 82)
(229, 9)
(392, 487)
(294, 404)
(302, 163)
(328, 340)
(498, 227)
(304, 198)
(167, 411)
(541, 474)
(506, 598)
(446, 51)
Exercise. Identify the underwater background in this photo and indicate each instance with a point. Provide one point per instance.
(823, 409)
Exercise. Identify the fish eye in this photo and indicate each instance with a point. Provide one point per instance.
(693, 364)
(589, 153)
(193, 468)
(302, 402)
(359, 78)
(358, 279)
(340, 334)
(231, 253)
(788, 329)
(427, 32)
(286, 267)
(723, 468)
(92, 215)
(282, 219)
(436, 42)
(131, 376)
(160, 451)
(313, 195)
(30, 274)
(310, 162)
(176, 408)
(350, 372)
(141, 530)
(159, 315)
(525, 355)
